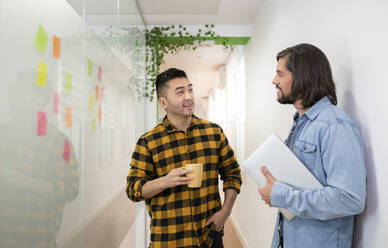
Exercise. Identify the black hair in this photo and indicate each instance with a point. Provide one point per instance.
(163, 78)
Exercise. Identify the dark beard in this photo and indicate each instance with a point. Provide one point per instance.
(286, 99)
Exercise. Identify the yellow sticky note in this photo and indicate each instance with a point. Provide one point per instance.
(91, 101)
(42, 74)
(41, 39)
(94, 125)
(90, 67)
(68, 82)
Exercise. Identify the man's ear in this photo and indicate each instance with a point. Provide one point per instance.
(163, 102)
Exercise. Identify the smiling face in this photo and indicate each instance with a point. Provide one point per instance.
(283, 82)
(178, 100)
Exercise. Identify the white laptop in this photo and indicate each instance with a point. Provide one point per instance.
(282, 164)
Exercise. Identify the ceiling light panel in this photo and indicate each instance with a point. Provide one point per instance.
(178, 7)
(106, 7)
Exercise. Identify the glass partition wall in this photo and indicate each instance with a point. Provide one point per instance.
(67, 121)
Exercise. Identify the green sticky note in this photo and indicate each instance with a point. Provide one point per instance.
(94, 125)
(41, 78)
(68, 82)
(90, 67)
(41, 39)
(91, 101)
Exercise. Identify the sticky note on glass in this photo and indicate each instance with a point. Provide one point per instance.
(68, 82)
(90, 67)
(91, 101)
(68, 117)
(94, 125)
(102, 94)
(41, 39)
(56, 47)
(99, 114)
(41, 78)
(56, 103)
(66, 151)
(99, 73)
(42, 123)
(97, 92)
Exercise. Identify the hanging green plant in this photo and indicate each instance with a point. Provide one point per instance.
(172, 39)
(148, 47)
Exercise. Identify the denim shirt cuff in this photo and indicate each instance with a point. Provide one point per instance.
(278, 194)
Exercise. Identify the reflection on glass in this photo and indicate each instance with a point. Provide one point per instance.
(38, 168)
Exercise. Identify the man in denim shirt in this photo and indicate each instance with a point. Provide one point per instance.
(329, 144)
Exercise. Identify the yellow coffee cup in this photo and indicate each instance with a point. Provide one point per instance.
(196, 174)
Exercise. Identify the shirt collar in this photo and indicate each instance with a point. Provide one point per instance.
(296, 115)
(314, 110)
(170, 127)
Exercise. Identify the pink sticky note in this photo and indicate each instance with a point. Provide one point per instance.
(66, 151)
(56, 103)
(99, 73)
(102, 94)
(99, 114)
(42, 123)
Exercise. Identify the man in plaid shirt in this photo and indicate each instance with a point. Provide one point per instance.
(183, 216)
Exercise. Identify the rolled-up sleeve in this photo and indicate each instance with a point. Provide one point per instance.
(229, 168)
(141, 171)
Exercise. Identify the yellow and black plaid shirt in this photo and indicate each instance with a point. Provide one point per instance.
(29, 216)
(178, 215)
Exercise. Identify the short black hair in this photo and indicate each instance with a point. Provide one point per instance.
(312, 78)
(164, 77)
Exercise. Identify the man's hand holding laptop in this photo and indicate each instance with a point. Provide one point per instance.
(265, 191)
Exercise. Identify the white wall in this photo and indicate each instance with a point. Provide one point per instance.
(354, 36)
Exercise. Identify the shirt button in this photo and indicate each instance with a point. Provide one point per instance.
(304, 148)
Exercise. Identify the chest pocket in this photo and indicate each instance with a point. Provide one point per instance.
(306, 152)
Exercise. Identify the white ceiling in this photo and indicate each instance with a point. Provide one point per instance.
(241, 12)
(159, 12)
(178, 7)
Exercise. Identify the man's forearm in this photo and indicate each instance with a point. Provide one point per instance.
(174, 178)
(153, 187)
(230, 198)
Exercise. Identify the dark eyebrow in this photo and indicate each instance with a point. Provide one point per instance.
(182, 87)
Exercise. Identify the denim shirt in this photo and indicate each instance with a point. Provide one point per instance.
(329, 144)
